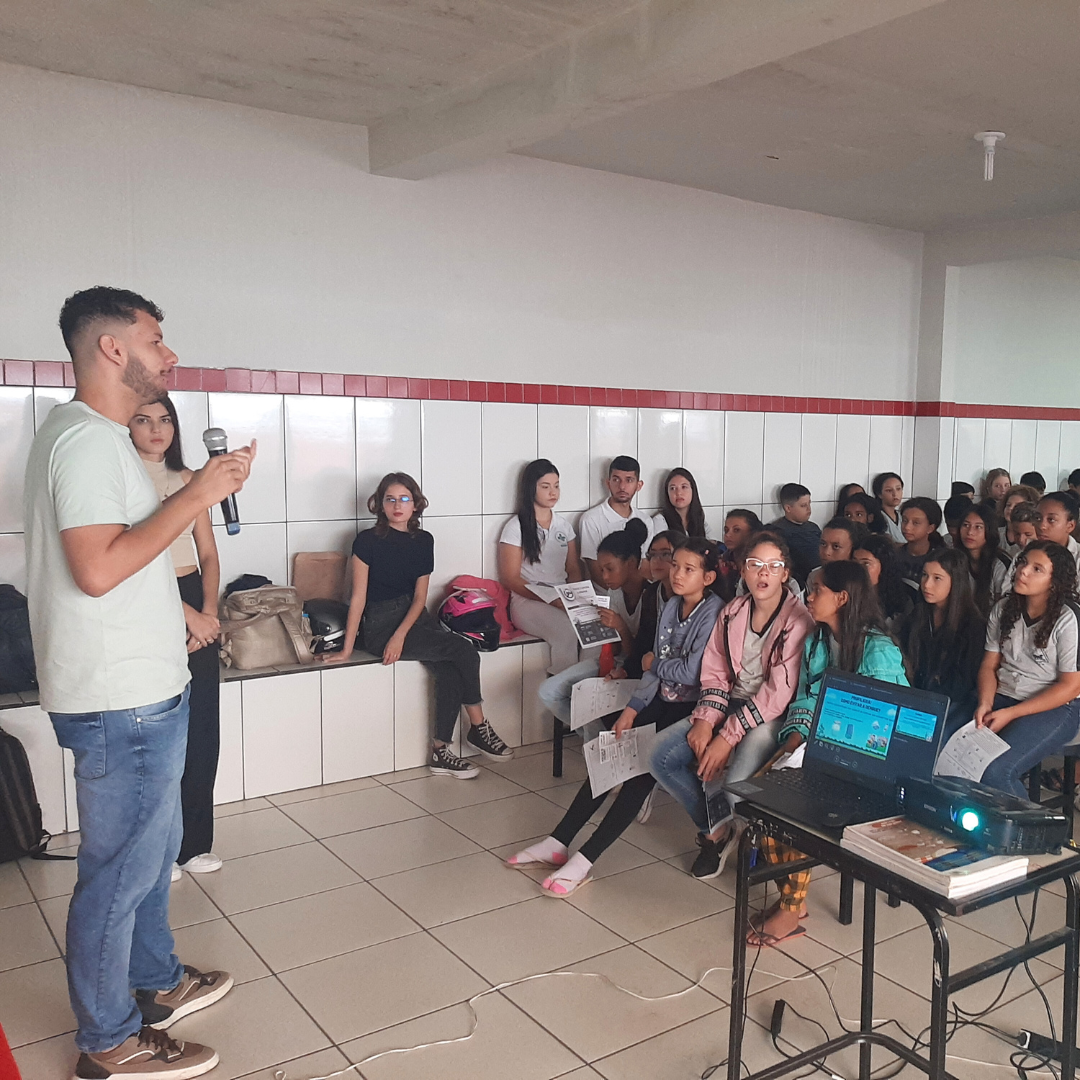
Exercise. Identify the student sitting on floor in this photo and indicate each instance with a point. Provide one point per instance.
(1034, 480)
(865, 510)
(681, 509)
(988, 563)
(850, 635)
(623, 483)
(838, 540)
(537, 548)
(667, 694)
(739, 526)
(618, 563)
(1024, 521)
(920, 520)
(995, 486)
(888, 489)
(391, 571)
(956, 508)
(943, 638)
(1058, 512)
(962, 487)
(1074, 482)
(877, 556)
(749, 675)
(1028, 681)
(842, 496)
(802, 536)
(1016, 496)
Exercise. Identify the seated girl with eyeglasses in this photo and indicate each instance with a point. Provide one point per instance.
(749, 675)
(391, 573)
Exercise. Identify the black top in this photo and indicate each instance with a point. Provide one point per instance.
(395, 561)
(804, 541)
(942, 661)
(652, 603)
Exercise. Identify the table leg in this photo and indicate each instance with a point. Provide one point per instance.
(939, 997)
(556, 747)
(1069, 994)
(738, 954)
(847, 899)
(866, 1004)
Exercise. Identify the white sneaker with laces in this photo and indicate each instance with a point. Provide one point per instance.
(206, 863)
(176, 875)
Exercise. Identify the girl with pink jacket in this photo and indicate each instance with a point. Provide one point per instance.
(749, 675)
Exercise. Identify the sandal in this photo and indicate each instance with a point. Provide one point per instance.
(770, 941)
(561, 888)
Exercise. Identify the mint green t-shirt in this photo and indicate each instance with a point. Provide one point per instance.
(127, 648)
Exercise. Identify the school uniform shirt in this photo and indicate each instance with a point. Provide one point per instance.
(601, 521)
(554, 542)
(127, 648)
(395, 561)
(892, 528)
(1025, 669)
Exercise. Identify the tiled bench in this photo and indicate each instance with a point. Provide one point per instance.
(296, 727)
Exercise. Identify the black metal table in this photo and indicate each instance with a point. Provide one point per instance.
(820, 847)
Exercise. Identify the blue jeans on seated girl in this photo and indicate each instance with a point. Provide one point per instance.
(128, 766)
(1030, 738)
(675, 766)
(555, 691)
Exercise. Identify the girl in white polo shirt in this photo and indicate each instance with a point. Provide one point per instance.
(1028, 681)
(538, 549)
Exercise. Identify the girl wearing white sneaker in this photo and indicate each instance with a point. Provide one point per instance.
(391, 572)
(155, 431)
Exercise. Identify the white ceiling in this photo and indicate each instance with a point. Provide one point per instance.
(874, 125)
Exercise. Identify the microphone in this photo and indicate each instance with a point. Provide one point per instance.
(216, 442)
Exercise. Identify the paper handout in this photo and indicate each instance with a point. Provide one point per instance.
(583, 608)
(969, 751)
(593, 698)
(614, 760)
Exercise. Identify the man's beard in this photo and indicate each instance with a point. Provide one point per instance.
(135, 377)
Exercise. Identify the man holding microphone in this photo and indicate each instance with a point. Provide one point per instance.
(110, 642)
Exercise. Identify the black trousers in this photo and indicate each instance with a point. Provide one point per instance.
(204, 737)
(631, 795)
(451, 659)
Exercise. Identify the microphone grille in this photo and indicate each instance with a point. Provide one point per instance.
(215, 439)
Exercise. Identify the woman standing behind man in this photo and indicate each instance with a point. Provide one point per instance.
(155, 431)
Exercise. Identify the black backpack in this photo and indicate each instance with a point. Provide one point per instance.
(16, 650)
(21, 832)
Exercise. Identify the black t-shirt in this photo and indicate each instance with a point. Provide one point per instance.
(395, 561)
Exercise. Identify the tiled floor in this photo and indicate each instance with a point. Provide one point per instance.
(360, 917)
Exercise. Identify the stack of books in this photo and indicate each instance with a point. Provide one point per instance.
(930, 858)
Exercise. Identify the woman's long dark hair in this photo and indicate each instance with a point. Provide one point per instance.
(859, 617)
(695, 513)
(932, 509)
(375, 503)
(843, 496)
(531, 475)
(893, 594)
(174, 456)
(983, 573)
(1062, 588)
(960, 611)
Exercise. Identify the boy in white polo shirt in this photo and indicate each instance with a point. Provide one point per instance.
(623, 483)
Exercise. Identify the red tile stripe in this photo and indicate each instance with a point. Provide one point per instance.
(248, 381)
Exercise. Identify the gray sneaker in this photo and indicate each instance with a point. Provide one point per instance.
(444, 762)
(148, 1055)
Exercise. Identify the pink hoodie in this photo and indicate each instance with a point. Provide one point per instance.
(781, 656)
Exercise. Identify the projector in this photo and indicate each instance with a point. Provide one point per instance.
(984, 817)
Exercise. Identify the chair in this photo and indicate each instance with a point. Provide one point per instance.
(1063, 800)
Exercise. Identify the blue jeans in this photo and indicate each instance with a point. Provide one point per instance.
(675, 766)
(128, 766)
(1030, 739)
(555, 691)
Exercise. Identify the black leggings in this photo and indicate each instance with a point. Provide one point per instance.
(451, 659)
(204, 736)
(632, 794)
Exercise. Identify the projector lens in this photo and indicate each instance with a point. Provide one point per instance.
(969, 820)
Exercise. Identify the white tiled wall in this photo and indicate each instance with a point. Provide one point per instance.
(321, 457)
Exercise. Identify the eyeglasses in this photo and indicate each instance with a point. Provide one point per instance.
(389, 500)
(774, 566)
(663, 556)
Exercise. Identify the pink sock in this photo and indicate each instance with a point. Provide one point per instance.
(549, 852)
(564, 879)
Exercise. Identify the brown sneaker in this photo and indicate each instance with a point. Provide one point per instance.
(197, 989)
(149, 1055)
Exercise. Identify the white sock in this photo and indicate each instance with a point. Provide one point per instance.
(577, 869)
(548, 851)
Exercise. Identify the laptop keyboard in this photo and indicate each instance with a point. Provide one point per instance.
(830, 792)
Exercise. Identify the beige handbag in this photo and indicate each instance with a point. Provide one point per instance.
(264, 627)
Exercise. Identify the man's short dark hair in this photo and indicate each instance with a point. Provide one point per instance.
(83, 309)
(961, 487)
(624, 463)
(1074, 478)
(1035, 480)
(792, 493)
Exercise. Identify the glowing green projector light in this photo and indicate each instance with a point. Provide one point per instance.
(969, 820)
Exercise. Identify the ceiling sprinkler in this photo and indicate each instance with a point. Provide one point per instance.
(989, 139)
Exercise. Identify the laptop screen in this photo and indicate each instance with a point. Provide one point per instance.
(878, 731)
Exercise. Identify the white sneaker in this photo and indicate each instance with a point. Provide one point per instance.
(202, 864)
(646, 807)
(176, 875)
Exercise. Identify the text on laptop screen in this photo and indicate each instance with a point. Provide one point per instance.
(856, 722)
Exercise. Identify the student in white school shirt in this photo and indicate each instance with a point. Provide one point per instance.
(1058, 511)
(623, 483)
(537, 548)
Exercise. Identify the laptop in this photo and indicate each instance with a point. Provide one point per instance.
(865, 739)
